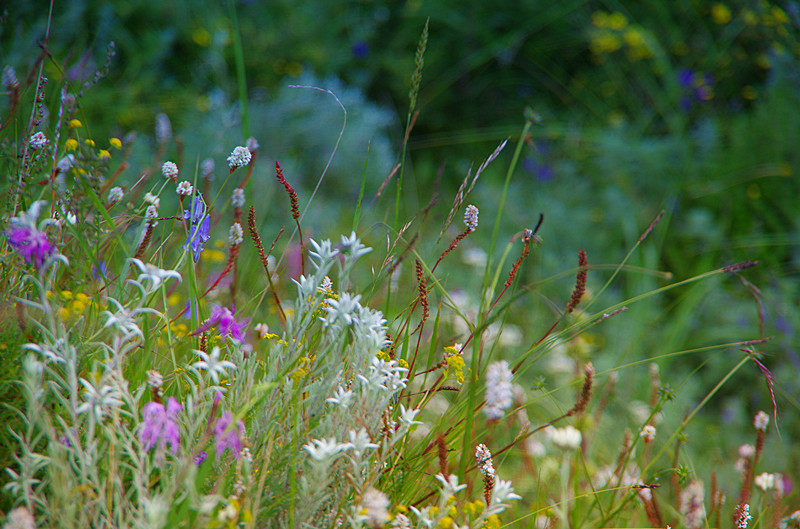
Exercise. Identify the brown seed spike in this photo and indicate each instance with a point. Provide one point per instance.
(580, 281)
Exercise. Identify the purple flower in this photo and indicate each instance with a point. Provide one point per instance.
(160, 426)
(199, 231)
(226, 437)
(199, 458)
(30, 243)
(695, 87)
(223, 318)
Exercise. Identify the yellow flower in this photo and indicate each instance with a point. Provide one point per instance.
(456, 364)
(66, 294)
(75, 123)
(213, 255)
(71, 144)
(617, 21)
(493, 522)
(89, 142)
(115, 142)
(446, 523)
(104, 154)
(720, 13)
(600, 19)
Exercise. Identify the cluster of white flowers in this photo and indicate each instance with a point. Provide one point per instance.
(499, 390)
(38, 141)
(239, 157)
(692, 507)
(153, 200)
(238, 198)
(184, 189)
(169, 170)
(151, 214)
(471, 218)
(567, 438)
(648, 433)
(66, 163)
(368, 325)
(386, 376)
(484, 458)
(115, 194)
(761, 421)
(236, 234)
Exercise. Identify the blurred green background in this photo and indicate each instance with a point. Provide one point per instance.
(687, 106)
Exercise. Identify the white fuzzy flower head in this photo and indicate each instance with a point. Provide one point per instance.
(236, 234)
(765, 481)
(499, 390)
(151, 214)
(567, 438)
(152, 199)
(115, 195)
(66, 163)
(38, 141)
(484, 459)
(163, 128)
(184, 189)
(169, 170)
(252, 144)
(207, 166)
(238, 198)
(692, 506)
(761, 421)
(747, 451)
(648, 433)
(239, 157)
(471, 218)
(376, 505)
(360, 442)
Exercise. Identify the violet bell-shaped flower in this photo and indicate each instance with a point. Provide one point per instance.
(199, 230)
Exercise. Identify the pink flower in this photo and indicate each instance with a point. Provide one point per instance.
(160, 426)
(223, 318)
(30, 243)
(229, 438)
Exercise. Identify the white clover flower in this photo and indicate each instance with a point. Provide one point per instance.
(163, 128)
(648, 433)
(238, 198)
(761, 421)
(360, 442)
(212, 364)
(152, 199)
(499, 390)
(98, 401)
(324, 450)
(765, 481)
(239, 157)
(38, 141)
(66, 163)
(471, 218)
(341, 397)
(153, 274)
(169, 170)
(252, 144)
(376, 505)
(567, 438)
(184, 189)
(236, 234)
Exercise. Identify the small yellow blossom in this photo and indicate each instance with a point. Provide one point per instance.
(401, 508)
(617, 21)
(215, 256)
(89, 142)
(493, 522)
(446, 523)
(75, 123)
(104, 154)
(720, 13)
(66, 294)
(63, 313)
(71, 144)
(115, 142)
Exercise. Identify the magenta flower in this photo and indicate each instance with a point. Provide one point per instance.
(30, 243)
(223, 318)
(230, 438)
(160, 425)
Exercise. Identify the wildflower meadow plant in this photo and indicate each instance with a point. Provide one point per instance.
(175, 371)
